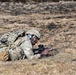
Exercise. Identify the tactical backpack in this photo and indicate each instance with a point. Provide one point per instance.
(11, 37)
(7, 42)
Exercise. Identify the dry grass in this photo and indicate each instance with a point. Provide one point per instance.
(63, 63)
(37, 67)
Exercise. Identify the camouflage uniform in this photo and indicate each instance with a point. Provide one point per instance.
(22, 47)
(7, 41)
(26, 46)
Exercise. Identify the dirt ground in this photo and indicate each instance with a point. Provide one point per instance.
(58, 31)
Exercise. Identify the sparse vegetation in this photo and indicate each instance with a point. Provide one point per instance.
(58, 31)
(34, 0)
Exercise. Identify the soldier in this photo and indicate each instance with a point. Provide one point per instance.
(27, 42)
(23, 47)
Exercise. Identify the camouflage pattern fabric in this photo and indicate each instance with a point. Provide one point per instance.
(8, 40)
(26, 46)
(18, 48)
(4, 55)
(11, 37)
(15, 53)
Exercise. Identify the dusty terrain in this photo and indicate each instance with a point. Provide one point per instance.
(58, 31)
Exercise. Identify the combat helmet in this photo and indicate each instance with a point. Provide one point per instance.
(34, 32)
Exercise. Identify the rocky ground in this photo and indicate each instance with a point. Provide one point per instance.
(57, 24)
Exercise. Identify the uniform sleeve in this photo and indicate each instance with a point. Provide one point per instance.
(19, 41)
(27, 48)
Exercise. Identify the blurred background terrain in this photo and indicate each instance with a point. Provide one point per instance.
(56, 20)
(34, 0)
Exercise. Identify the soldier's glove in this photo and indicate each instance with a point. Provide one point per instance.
(4, 55)
(45, 52)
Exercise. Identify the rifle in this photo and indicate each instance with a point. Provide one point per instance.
(41, 48)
